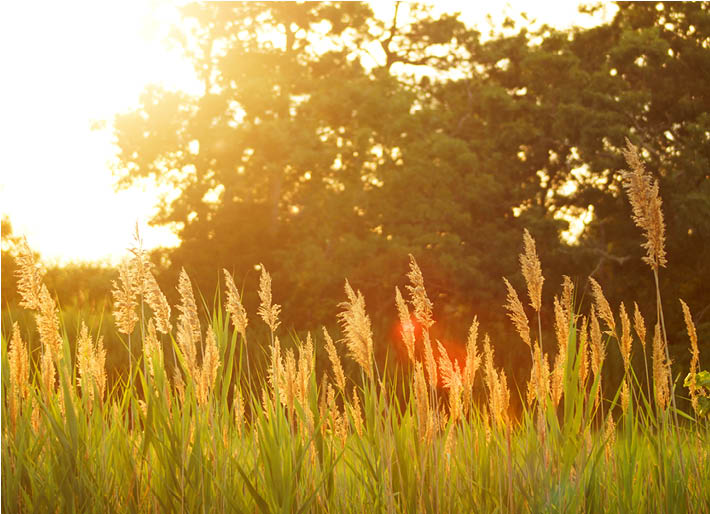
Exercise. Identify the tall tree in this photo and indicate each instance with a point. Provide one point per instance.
(328, 143)
(280, 159)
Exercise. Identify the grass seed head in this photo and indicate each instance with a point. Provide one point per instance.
(84, 360)
(603, 309)
(357, 328)
(421, 399)
(694, 352)
(446, 367)
(645, 201)
(29, 277)
(517, 314)
(562, 327)
(18, 360)
(539, 384)
(626, 339)
(124, 300)
(423, 308)
(557, 378)
(48, 323)
(158, 303)
(532, 271)
(430, 361)
(47, 373)
(473, 362)
(661, 370)
(268, 311)
(357, 413)
(152, 349)
(406, 323)
(639, 325)
(336, 365)
(625, 396)
(236, 310)
(188, 333)
(584, 351)
(210, 365)
(567, 295)
(306, 367)
(238, 410)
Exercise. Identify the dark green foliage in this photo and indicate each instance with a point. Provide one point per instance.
(345, 143)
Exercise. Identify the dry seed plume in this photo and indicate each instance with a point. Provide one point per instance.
(306, 367)
(334, 361)
(451, 379)
(188, 332)
(473, 362)
(238, 410)
(140, 264)
(357, 413)
(562, 327)
(639, 325)
(208, 372)
(530, 265)
(47, 373)
(124, 302)
(421, 399)
(356, 326)
(268, 311)
(539, 384)
(567, 296)
(35, 296)
(646, 207)
(661, 370)
(406, 323)
(19, 373)
(152, 350)
(91, 360)
(422, 305)
(158, 303)
(626, 339)
(597, 349)
(236, 310)
(48, 323)
(695, 355)
(603, 308)
(584, 351)
(497, 385)
(29, 277)
(517, 314)
(429, 361)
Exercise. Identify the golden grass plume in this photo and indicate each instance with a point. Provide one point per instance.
(645, 201)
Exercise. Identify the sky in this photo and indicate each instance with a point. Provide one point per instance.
(69, 65)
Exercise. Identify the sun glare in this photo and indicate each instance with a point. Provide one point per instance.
(75, 66)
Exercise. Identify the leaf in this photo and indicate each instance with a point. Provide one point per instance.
(703, 406)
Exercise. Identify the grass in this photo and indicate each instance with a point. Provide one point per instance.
(193, 429)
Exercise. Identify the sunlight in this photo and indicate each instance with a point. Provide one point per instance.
(77, 66)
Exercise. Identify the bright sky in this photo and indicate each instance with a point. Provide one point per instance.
(69, 64)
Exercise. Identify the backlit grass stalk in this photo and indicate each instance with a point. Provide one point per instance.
(646, 202)
(294, 445)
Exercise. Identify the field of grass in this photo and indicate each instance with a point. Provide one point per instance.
(192, 429)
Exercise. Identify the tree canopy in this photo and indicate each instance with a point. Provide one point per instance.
(328, 143)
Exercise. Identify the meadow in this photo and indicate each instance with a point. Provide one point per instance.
(192, 429)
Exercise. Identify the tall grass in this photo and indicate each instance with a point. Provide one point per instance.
(191, 429)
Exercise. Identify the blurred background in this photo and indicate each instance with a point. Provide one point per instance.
(330, 140)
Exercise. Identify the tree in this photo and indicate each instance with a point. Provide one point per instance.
(569, 101)
(328, 143)
(282, 159)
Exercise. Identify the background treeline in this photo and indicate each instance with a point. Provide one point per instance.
(328, 143)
